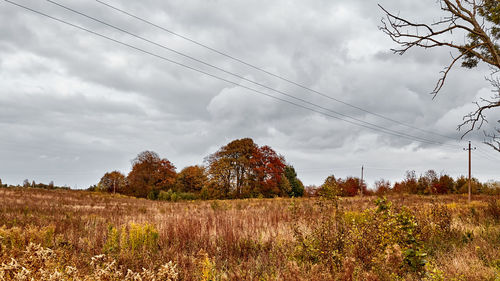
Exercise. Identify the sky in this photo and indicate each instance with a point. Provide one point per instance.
(74, 105)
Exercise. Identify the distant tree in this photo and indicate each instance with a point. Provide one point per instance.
(340, 187)
(149, 175)
(492, 188)
(445, 185)
(1, 185)
(267, 168)
(311, 191)
(113, 182)
(382, 187)
(463, 185)
(26, 183)
(229, 167)
(330, 188)
(351, 186)
(191, 179)
(296, 186)
(51, 185)
(243, 169)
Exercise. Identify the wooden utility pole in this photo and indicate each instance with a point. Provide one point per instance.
(361, 182)
(469, 149)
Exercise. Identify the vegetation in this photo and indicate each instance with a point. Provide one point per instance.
(81, 235)
(240, 169)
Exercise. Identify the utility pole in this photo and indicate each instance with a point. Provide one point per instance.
(469, 149)
(361, 182)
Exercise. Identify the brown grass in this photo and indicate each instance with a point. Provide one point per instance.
(254, 239)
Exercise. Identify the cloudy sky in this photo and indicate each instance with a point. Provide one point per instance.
(74, 105)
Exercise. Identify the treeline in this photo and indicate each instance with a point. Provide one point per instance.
(240, 169)
(429, 183)
(32, 184)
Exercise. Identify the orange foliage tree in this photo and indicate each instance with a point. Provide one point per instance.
(149, 175)
(191, 179)
(243, 169)
(114, 182)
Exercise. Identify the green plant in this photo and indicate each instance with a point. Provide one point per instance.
(134, 238)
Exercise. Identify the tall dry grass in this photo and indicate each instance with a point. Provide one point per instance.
(89, 234)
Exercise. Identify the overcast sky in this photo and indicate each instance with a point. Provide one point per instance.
(74, 106)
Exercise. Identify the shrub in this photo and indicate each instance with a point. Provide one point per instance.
(134, 238)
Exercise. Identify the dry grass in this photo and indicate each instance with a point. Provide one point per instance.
(92, 236)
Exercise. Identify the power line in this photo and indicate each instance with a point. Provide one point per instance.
(487, 156)
(270, 73)
(237, 75)
(381, 129)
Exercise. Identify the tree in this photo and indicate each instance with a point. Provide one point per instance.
(408, 185)
(445, 185)
(243, 169)
(191, 179)
(330, 188)
(149, 175)
(382, 187)
(339, 187)
(350, 187)
(296, 186)
(112, 182)
(230, 165)
(26, 183)
(479, 22)
(267, 168)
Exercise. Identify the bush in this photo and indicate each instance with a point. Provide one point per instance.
(134, 239)
(380, 239)
(174, 196)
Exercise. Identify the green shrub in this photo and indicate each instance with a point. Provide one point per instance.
(134, 238)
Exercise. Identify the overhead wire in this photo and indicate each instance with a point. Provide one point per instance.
(237, 75)
(280, 77)
(483, 154)
(380, 129)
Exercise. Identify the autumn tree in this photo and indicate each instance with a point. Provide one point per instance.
(113, 182)
(350, 186)
(191, 179)
(243, 169)
(478, 23)
(230, 165)
(408, 185)
(445, 185)
(382, 187)
(330, 188)
(340, 187)
(462, 185)
(427, 182)
(149, 175)
(267, 168)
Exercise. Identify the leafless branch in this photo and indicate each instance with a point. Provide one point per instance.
(466, 16)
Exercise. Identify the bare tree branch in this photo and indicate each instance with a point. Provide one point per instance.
(479, 20)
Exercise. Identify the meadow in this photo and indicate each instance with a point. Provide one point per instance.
(82, 235)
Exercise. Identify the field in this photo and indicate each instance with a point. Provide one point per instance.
(80, 235)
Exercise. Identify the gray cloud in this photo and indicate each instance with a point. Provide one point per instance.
(74, 106)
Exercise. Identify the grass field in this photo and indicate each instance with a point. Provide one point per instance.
(79, 235)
